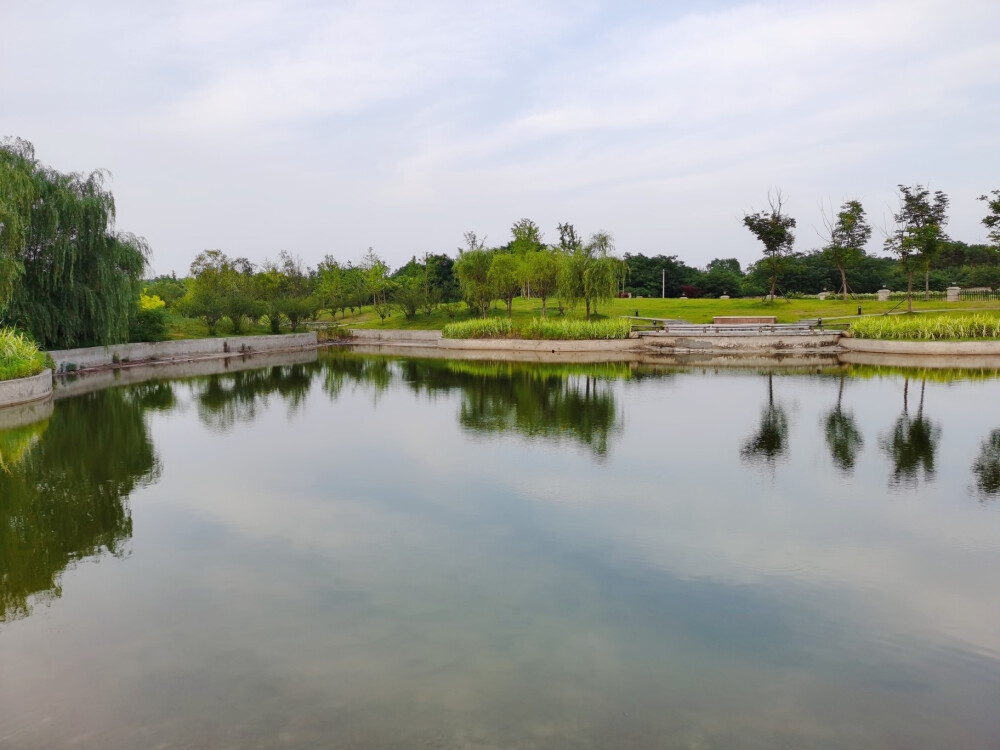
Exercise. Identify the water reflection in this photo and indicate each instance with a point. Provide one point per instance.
(65, 486)
(551, 402)
(770, 441)
(986, 468)
(226, 400)
(843, 437)
(912, 444)
(368, 576)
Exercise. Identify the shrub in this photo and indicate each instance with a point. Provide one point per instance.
(927, 327)
(19, 355)
(148, 324)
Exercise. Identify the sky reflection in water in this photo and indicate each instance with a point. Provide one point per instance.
(373, 552)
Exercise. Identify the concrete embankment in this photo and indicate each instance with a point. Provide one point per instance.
(26, 390)
(68, 386)
(103, 356)
(924, 348)
(825, 340)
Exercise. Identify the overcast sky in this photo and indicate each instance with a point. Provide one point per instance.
(322, 127)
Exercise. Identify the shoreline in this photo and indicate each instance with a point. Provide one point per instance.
(133, 363)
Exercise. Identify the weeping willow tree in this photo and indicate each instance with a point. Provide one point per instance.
(65, 275)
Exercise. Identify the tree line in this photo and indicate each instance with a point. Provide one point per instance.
(69, 278)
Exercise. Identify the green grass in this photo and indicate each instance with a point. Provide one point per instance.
(19, 356)
(179, 327)
(537, 328)
(968, 327)
(692, 310)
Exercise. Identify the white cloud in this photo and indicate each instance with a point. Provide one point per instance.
(402, 125)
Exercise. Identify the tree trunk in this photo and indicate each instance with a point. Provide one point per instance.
(510, 306)
(909, 291)
(543, 307)
(927, 284)
(843, 281)
(774, 283)
(588, 308)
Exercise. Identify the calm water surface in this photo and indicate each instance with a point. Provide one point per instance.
(366, 552)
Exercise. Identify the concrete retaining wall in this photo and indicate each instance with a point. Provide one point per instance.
(945, 348)
(755, 343)
(372, 335)
(18, 416)
(101, 356)
(24, 390)
(536, 345)
(68, 386)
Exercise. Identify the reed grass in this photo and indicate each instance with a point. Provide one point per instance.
(928, 327)
(538, 328)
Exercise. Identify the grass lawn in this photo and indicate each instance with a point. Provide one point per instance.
(691, 310)
(195, 328)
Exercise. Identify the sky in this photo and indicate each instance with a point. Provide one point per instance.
(256, 126)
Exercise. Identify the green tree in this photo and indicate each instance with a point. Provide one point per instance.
(239, 300)
(543, 269)
(272, 288)
(409, 295)
(848, 235)
(504, 277)
(590, 272)
(992, 219)
(722, 276)
(774, 230)
(66, 275)
(376, 283)
(331, 285)
(918, 233)
(205, 294)
(298, 302)
(472, 269)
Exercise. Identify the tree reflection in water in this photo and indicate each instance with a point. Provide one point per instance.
(842, 434)
(770, 442)
(66, 496)
(231, 398)
(551, 402)
(986, 467)
(912, 444)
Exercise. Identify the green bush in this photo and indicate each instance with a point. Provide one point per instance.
(19, 355)
(148, 324)
(538, 328)
(927, 327)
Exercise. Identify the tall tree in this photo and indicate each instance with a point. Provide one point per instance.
(992, 219)
(505, 278)
(848, 234)
(543, 269)
(65, 274)
(590, 272)
(774, 230)
(918, 233)
(473, 269)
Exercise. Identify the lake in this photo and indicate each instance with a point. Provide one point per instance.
(358, 551)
